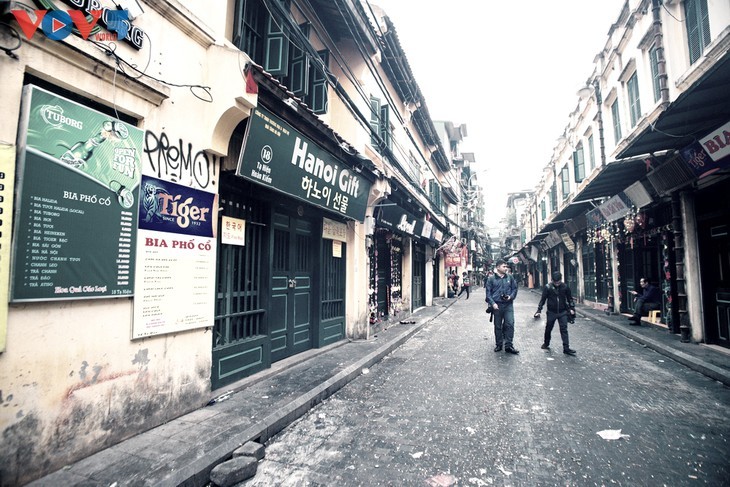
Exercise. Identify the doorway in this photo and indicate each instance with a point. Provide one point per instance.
(291, 312)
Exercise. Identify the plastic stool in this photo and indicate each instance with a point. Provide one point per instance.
(654, 316)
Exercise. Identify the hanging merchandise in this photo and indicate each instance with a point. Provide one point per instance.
(396, 295)
(373, 288)
(666, 282)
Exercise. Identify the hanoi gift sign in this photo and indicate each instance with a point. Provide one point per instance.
(276, 155)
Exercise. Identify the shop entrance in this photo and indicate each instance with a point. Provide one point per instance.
(715, 254)
(291, 313)
(419, 271)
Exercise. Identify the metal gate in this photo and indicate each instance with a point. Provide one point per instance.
(240, 342)
(419, 270)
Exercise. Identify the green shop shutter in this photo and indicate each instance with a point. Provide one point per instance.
(277, 49)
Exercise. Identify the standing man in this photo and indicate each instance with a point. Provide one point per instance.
(647, 298)
(465, 284)
(560, 307)
(501, 293)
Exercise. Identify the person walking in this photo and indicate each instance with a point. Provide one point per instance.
(560, 308)
(501, 293)
(648, 298)
(465, 284)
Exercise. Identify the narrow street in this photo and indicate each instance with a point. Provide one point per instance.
(445, 409)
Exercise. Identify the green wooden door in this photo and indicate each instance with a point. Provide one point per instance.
(291, 312)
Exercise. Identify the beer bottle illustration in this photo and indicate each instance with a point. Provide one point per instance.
(77, 155)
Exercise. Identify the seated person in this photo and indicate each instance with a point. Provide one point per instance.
(647, 298)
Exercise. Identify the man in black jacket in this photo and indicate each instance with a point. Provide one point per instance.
(647, 298)
(560, 306)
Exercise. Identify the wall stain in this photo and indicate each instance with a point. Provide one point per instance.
(88, 423)
(18, 450)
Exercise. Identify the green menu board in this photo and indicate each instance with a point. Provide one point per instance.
(79, 173)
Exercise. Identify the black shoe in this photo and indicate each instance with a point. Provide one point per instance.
(545, 346)
(498, 348)
(569, 351)
(511, 350)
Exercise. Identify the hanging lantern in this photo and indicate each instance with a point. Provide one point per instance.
(640, 220)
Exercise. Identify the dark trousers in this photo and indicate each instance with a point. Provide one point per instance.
(465, 288)
(504, 325)
(562, 319)
(641, 308)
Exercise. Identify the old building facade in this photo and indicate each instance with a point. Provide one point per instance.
(633, 187)
(194, 191)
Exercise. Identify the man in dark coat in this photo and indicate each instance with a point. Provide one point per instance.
(501, 293)
(648, 298)
(560, 307)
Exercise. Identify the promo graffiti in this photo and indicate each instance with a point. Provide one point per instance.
(177, 161)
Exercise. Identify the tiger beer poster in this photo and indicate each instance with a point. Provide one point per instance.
(78, 177)
(176, 258)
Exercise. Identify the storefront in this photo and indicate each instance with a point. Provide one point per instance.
(282, 268)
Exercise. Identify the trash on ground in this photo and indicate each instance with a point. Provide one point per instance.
(226, 395)
(611, 435)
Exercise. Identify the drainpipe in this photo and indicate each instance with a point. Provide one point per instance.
(599, 118)
(661, 60)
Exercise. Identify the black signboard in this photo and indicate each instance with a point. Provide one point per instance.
(278, 156)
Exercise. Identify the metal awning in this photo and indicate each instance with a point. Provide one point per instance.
(700, 109)
(574, 209)
(614, 178)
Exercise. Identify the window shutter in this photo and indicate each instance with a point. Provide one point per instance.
(616, 122)
(634, 102)
(298, 79)
(318, 75)
(277, 49)
(565, 174)
(591, 152)
(654, 58)
(374, 121)
(385, 126)
(238, 23)
(579, 168)
(698, 27)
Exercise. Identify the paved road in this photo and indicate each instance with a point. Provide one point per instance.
(444, 409)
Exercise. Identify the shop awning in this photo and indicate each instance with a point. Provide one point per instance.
(574, 209)
(615, 177)
(700, 109)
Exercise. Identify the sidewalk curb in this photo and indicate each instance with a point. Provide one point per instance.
(693, 363)
(198, 471)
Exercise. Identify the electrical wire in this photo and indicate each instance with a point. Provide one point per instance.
(121, 64)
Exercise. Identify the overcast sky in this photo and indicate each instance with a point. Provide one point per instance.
(510, 71)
